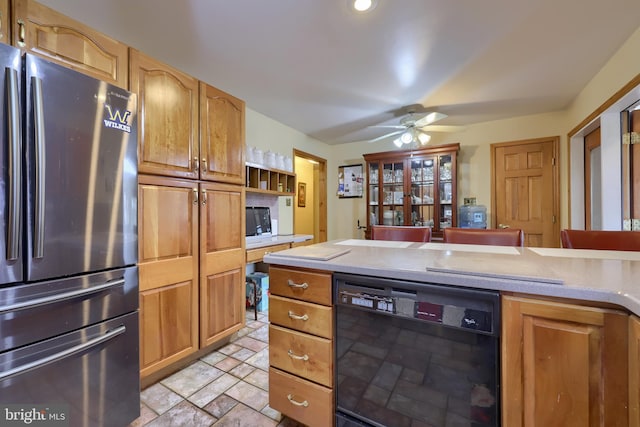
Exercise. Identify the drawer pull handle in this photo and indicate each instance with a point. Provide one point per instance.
(290, 397)
(293, 284)
(297, 317)
(295, 356)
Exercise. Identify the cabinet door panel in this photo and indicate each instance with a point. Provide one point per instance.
(57, 38)
(561, 364)
(167, 118)
(168, 269)
(167, 221)
(222, 136)
(167, 319)
(222, 261)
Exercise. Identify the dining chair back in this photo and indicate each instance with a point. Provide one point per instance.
(600, 239)
(478, 236)
(401, 233)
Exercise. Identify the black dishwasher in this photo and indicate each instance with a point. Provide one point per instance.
(415, 354)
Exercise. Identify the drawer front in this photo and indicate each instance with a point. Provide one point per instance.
(302, 316)
(255, 255)
(299, 284)
(304, 401)
(301, 354)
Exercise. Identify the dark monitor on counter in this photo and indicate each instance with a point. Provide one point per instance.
(258, 220)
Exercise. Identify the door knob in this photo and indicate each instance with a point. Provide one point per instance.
(503, 226)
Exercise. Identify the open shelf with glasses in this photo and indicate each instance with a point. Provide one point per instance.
(413, 187)
(261, 179)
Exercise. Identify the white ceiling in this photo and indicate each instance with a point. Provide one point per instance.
(319, 68)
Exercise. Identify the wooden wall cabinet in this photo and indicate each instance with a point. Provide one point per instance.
(413, 187)
(55, 37)
(301, 344)
(222, 136)
(563, 364)
(188, 129)
(167, 118)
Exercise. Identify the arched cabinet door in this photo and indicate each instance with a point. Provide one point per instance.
(58, 38)
(167, 118)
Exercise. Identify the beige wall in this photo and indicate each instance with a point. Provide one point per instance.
(474, 163)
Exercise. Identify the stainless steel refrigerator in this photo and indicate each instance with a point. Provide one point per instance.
(68, 251)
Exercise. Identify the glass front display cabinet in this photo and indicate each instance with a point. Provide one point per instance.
(413, 187)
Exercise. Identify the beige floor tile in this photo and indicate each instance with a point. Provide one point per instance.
(248, 394)
(258, 378)
(242, 415)
(183, 414)
(192, 378)
(212, 390)
(159, 398)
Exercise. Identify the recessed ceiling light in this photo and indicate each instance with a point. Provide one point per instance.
(362, 5)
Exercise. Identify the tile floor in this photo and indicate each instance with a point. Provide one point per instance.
(227, 387)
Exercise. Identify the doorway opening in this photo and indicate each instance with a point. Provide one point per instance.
(310, 207)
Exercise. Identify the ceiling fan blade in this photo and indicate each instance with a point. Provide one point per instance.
(442, 128)
(389, 126)
(429, 118)
(387, 135)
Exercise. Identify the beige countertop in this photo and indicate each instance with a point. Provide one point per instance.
(278, 240)
(603, 276)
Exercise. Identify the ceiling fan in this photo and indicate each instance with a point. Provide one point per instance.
(411, 128)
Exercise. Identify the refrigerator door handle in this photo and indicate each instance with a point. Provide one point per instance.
(62, 354)
(40, 154)
(15, 164)
(60, 297)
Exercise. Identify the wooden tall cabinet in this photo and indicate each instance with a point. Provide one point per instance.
(55, 37)
(191, 138)
(413, 187)
(563, 364)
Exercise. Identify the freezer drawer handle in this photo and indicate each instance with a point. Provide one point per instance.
(15, 165)
(60, 297)
(19, 370)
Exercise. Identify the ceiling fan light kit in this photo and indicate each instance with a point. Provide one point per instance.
(411, 129)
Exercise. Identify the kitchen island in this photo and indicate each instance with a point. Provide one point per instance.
(569, 330)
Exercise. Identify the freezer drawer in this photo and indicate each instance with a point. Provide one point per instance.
(37, 311)
(94, 372)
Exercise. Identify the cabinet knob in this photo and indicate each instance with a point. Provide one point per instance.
(204, 197)
(196, 165)
(204, 163)
(503, 226)
(195, 196)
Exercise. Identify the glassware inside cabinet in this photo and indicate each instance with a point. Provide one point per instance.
(445, 168)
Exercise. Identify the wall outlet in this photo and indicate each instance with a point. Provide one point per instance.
(288, 201)
(469, 200)
(635, 224)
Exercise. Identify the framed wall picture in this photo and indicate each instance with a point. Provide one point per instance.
(302, 194)
(350, 181)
